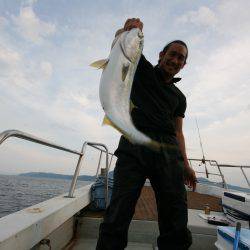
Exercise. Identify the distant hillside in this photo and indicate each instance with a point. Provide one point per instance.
(58, 176)
(92, 178)
(219, 184)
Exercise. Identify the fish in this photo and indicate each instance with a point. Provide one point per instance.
(116, 84)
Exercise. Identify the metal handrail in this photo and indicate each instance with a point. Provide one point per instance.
(214, 163)
(93, 144)
(28, 137)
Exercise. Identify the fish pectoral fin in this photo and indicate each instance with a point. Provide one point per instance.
(132, 106)
(125, 69)
(100, 64)
(106, 121)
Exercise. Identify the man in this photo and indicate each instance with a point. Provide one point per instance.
(159, 113)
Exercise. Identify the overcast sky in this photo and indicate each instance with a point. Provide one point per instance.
(48, 89)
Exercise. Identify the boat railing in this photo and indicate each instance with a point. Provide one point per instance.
(104, 150)
(214, 163)
(28, 137)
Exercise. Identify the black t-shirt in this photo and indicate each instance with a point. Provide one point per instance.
(157, 103)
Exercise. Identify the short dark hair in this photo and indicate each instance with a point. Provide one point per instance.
(175, 41)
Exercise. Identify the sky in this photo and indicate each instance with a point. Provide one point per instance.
(49, 90)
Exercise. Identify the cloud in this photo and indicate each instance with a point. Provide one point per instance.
(204, 16)
(46, 69)
(81, 99)
(30, 27)
(21, 75)
(9, 56)
(29, 2)
(222, 81)
(233, 18)
(232, 139)
(223, 18)
(3, 22)
(218, 86)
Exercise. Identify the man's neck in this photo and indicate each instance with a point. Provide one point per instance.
(167, 77)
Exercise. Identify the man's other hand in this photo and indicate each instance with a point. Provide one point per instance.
(190, 177)
(133, 23)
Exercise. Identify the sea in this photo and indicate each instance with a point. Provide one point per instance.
(19, 192)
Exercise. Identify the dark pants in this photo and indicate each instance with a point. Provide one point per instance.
(165, 172)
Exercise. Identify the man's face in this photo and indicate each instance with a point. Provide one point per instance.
(174, 59)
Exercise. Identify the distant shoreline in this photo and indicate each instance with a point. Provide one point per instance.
(57, 176)
(92, 178)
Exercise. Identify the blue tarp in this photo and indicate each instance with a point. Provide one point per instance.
(98, 193)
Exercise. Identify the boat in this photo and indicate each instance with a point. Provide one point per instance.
(66, 222)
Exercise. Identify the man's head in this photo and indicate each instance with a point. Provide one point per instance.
(173, 57)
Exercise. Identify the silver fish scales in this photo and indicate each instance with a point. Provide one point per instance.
(116, 84)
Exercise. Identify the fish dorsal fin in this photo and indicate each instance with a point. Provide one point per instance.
(125, 69)
(100, 64)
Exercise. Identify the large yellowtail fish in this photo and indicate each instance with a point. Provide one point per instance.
(116, 83)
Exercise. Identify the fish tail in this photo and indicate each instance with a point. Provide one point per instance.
(154, 145)
(157, 146)
(169, 146)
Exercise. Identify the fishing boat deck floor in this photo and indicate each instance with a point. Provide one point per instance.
(146, 206)
(143, 230)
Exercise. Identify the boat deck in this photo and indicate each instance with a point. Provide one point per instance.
(146, 206)
(143, 230)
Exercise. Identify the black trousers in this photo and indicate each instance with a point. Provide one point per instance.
(165, 171)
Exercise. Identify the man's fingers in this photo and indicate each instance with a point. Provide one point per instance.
(133, 23)
(194, 183)
(194, 188)
(130, 21)
(191, 181)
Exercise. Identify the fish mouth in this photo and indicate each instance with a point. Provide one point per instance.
(135, 44)
(132, 60)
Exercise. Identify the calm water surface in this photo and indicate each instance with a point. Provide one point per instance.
(19, 192)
